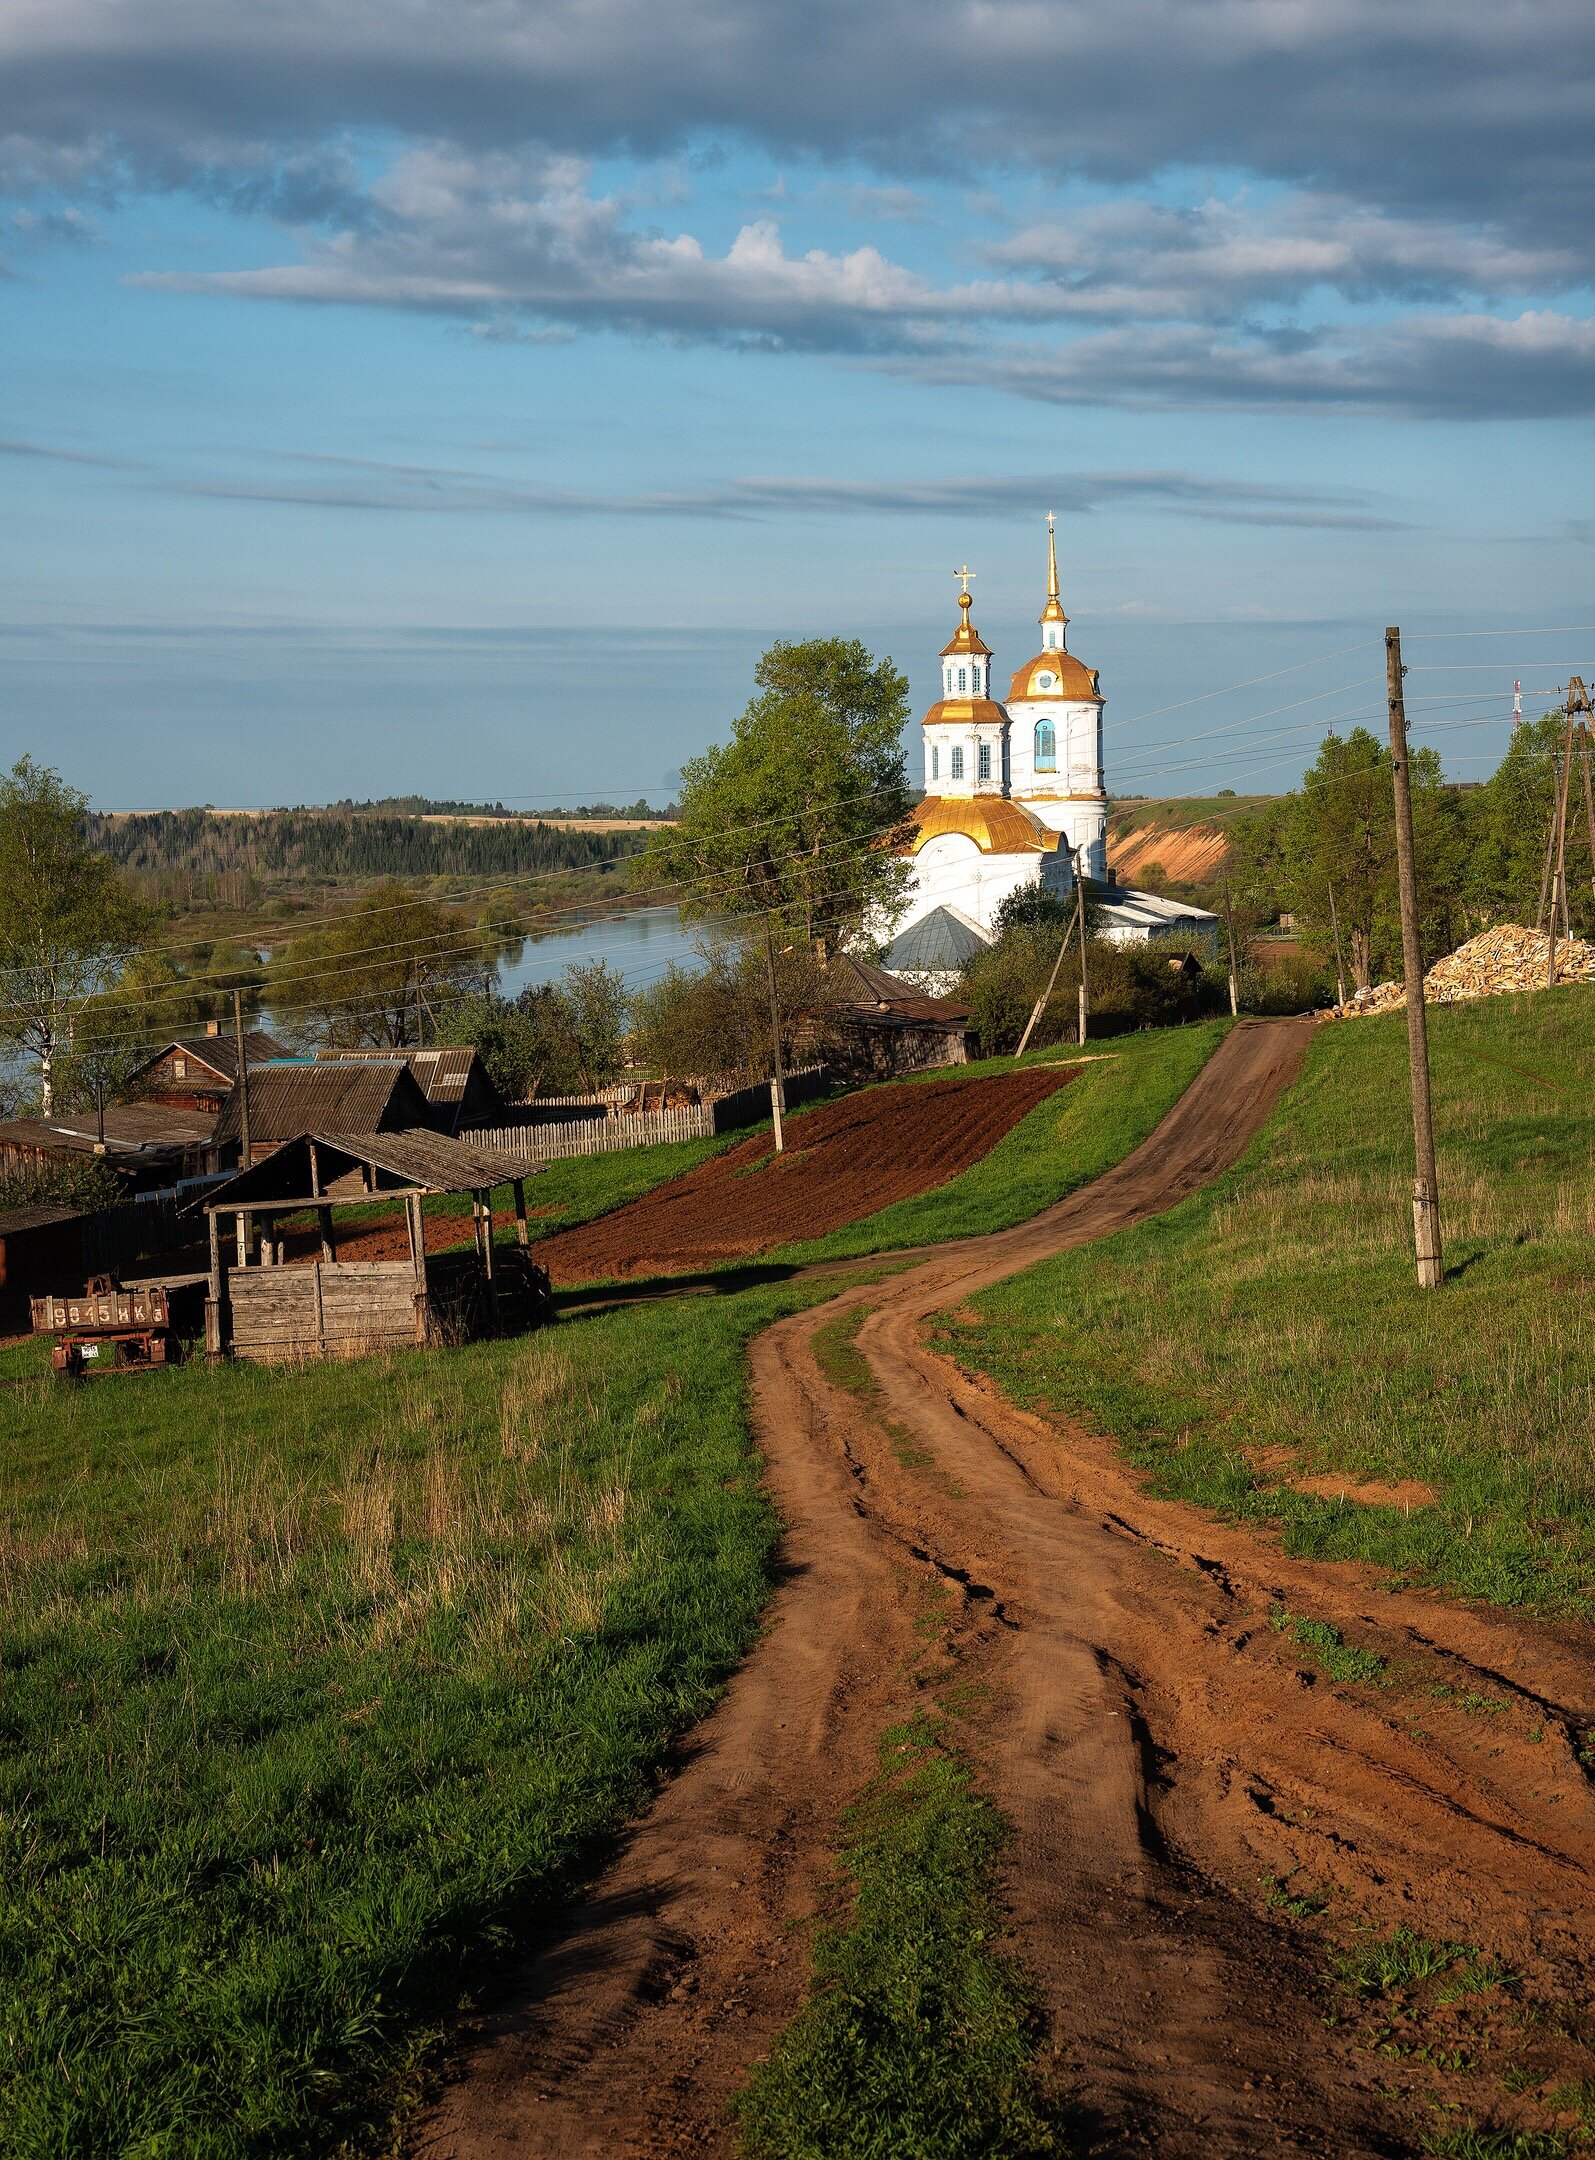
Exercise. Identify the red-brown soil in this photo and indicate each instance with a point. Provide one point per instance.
(1168, 1759)
(387, 1238)
(843, 1160)
(1189, 855)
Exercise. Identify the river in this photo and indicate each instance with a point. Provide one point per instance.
(639, 945)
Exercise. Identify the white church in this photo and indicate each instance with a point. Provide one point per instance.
(1014, 796)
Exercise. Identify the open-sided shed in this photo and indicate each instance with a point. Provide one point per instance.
(264, 1308)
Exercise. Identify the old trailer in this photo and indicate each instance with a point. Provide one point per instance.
(108, 1328)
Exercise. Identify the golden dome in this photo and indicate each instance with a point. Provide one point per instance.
(966, 638)
(1069, 678)
(995, 824)
(966, 712)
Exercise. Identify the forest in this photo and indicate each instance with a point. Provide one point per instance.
(337, 844)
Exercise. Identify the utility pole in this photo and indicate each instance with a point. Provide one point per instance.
(1425, 1182)
(777, 1079)
(1229, 932)
(243, 1079)
(420, 1010)
(1340, 958)
(1553, 883)
(1079, 916)
(1041, 1003)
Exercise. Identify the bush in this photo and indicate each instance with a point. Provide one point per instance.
(1131, 986)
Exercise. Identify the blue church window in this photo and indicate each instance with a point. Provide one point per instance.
(1046, 746)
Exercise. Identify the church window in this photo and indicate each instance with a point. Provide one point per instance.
(963, 678)
(1046, 747)
(958, 761)
(935, 762)
(983, 761)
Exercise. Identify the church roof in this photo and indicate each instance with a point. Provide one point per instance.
(997, 825)
(1071, 678)
(968, 710)
(966, 638)
(938, 944)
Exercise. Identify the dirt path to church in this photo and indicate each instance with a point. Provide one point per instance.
(1163, 1753)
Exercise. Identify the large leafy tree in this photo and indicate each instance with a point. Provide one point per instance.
(796, 819)
(67, 921)
(1510, 821)
(373, 975)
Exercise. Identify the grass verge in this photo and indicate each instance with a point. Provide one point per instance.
(1271, 1327)
(319, 1684)
(920, 2038)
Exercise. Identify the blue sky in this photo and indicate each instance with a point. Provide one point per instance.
(456, 398)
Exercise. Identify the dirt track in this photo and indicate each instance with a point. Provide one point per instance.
(1160, 1749)
(843, 1161)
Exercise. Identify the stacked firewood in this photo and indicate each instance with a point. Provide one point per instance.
(1495, 964)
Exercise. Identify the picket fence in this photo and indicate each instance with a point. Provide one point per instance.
(549, 1141)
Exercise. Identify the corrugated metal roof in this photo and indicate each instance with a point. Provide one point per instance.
(442, 1074)
(294, 1095)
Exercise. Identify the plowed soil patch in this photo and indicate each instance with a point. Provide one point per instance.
(843, 1161)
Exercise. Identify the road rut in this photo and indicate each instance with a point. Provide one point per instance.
(1163, 1753)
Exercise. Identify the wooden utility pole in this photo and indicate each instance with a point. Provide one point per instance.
(1553, 883)
(1340, 959)
(777, 1078)
(1041, 1003)
(243, 1079)
(1079, 916)
(420, 1008)
(1229, 932)
(1425, 1183)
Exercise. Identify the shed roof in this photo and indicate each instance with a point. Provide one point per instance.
(411, 1160)
(130, 1129)
(868, 992)
(442, 1074)
(289, 1096)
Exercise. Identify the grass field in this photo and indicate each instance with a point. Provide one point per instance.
(1271, 1327)
(319, 1681)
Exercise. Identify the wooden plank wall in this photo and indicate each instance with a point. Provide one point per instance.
(339, 1307)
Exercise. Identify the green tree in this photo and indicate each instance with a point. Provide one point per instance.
(1509, 820)
(374, 973)
(67, 921)
(558, 1038)
(798, 817)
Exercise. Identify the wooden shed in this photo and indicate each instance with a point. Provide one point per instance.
(198, 1072)
(265, 1307)
(290, 1096)
(459, 1091)
(146, 1144)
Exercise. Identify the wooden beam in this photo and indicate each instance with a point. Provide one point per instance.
(522, 1234)
(486, 1204)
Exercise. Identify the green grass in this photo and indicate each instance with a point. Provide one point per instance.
(919, 2040)
(1396, 1962)
(1062, 1144)
(1278, 1310)
(1329, 1649)
(1472, 2143)
(318, 1684)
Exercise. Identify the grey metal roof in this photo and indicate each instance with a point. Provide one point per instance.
(129, 1128)
(938, 944)
(442, 1073)
(414, 1157)
(290, 1096)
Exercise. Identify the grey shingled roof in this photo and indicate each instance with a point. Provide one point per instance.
(293, 1095)
(218, 1053)
(416, 1156)
(938, 944)
(442, 1073)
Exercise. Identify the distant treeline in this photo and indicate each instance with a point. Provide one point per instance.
(432, 806)
(338, 843)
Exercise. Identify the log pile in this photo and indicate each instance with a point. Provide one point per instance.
(1497, 963)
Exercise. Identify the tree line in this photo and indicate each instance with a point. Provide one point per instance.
(352, 844)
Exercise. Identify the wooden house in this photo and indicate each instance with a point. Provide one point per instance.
(146, 1145)
(453, 1079)
(198, 1072)
(264, 1307)
(871, 1024)
(290, 1096)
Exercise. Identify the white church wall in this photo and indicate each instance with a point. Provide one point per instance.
(951, 871)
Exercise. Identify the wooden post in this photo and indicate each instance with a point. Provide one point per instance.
(1559, 873)
(488, 1260)
(416, 1224)
(243, 1237)
(777, 1079)
(1340, 958)
(1085, 992)
(1229, 932)
(323, 1214)
(1589, 796)
(1425, 1183)
(1040, 1005)
(243, 1080)
(213, 1302)
(522, 1234)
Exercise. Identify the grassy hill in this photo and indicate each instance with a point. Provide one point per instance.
(1175, 841)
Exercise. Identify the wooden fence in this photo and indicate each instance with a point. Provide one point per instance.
(549, 1141)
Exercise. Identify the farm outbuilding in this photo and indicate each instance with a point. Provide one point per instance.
(453, 1079)
(873, 1025)
(290, 1096)
(146, 1144)
(264, 1307)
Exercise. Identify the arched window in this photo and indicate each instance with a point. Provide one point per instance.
(958, 761)
(1046, 746)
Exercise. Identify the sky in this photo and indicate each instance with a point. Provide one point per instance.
(456, 396)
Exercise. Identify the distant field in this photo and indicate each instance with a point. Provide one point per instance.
(1263, 1349)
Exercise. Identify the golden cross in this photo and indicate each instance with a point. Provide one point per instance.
(965, 575)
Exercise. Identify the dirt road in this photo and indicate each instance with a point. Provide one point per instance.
(1165, 1755)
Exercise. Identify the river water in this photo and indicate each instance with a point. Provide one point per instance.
(639, 945)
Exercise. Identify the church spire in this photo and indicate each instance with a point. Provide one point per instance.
(1053, 620)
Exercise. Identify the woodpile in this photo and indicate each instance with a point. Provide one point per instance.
(1497, 963)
